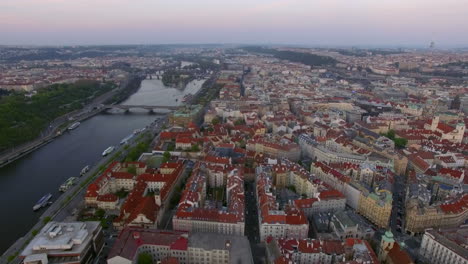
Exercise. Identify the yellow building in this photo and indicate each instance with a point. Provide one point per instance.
(376, 206)
(419, 218)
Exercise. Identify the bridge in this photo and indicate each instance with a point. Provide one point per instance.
(151, 108)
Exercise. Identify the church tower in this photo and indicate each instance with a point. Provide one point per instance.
(386, 244)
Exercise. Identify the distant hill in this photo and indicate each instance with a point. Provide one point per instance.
(305, 58)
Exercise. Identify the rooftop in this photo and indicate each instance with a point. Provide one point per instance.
(57, 238)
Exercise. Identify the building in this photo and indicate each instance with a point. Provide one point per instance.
(148, 200)
(451, 213)
(165, 245)
(149, 191)
(62, 243)
(304, 251)
(289, 222)
(359, 251)
(391, 252)
(376, 206)
(195, 213)
(185, 115)
(441, 246)
(443, 131)
(275, 148)
(118, 176)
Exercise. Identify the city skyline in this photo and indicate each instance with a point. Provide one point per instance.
(299, 22)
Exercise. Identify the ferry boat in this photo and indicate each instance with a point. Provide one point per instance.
(42, 202)
(84, 170)
(108, 150)
(74, 125)
(66, 185)
(126, 139)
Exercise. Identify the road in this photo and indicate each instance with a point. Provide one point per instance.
(73, 198)
(251, 223)
(397, 218)
(56, 128)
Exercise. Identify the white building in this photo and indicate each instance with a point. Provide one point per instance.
(64, 243)
(445, 245)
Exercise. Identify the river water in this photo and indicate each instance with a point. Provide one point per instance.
(26, 180)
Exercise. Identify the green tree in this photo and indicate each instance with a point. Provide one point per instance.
(195, 148)
(400, 142)
(166, 157)
(171, 146)
(145, 258)
(132, 170)
(46, 219)
(100, 213)
(239, 122)
(215, 121)
(391, 134)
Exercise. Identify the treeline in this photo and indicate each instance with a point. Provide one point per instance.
(305, 58)
(176, 79)
(132, 85)
(366, 52)
(22, 118)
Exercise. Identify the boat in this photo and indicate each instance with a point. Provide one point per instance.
(66, 185)
(74, 125)
(84, 170)
(108, 150)
(42, 202)
(138, 131)
(126, 139)
(187, 97)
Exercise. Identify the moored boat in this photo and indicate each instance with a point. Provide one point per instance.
(74, 125)
(42, 202)
(84, 170)
(108, 151)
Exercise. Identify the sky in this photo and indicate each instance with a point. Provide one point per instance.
(401, 23)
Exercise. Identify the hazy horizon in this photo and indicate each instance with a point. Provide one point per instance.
(332, 23)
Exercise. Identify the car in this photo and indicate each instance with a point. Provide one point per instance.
(398, 229)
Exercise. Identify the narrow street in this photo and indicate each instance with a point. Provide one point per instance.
(251, 223)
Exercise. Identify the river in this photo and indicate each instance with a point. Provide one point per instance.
(26, 180)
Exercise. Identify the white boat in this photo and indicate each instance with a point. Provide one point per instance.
(84, 170)
(66, 185)
(126, 139)
(74, 125)
(108, 151)
(42, 202)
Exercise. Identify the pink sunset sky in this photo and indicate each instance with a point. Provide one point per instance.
(307, 22)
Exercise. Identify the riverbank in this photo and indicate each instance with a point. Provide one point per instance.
(74, 197)
(60, 125)
(44, 170)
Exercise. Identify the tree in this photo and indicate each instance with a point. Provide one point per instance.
(100, 213)
(391, 134)
(145, 258)
(46, 219)
(215, 121)
(400, 142)
(239, 121)
(132, 170)
(195, 148)
(166, 157)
